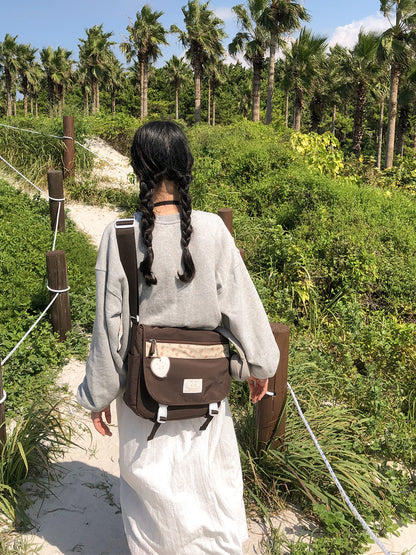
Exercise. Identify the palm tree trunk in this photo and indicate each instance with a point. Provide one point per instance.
(9, 91)
(391, 126)
(50, 96)
(113, 100)
(176, 101)
(31, 104)
(24, 85)
(403, 126)
(270, 83)
(36, 106)
(256, 90)
(141, 88)
(287, 109)
(334, 115)
(146, 86)
(209, 102)
(298, 109)
(198, 75)
(213, 104)
(93, 101)
(360, 97)
(97, 95)
(380, 132)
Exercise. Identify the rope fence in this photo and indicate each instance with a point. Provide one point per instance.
(334, 477)
(62, 137)
(35, 132)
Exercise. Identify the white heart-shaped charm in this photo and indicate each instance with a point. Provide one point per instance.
(160, 366)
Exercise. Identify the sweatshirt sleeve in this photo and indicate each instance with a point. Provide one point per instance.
(105, 374)
(243, 312)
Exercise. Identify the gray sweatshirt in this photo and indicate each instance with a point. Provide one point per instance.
(221, 292)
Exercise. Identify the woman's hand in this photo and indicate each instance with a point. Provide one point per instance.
(99, 423)
(257, 387)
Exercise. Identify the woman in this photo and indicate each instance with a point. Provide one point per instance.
(181, 493)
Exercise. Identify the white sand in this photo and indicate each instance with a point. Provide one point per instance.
(81, 512)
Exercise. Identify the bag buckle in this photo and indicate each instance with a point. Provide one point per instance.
(122, 223)
(213, 409)
(162, 414)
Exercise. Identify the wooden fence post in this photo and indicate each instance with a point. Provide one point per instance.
(271, 410)
(226, 214)
(69, 147)
(2, 416)
(56, 191)
(58, 281)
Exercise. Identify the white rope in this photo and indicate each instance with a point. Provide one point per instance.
(56, 227)
(34, 132)
(21, 175)
(337, 483)
(3, 398)
(31, 328)
(57, 290)
(95, 154)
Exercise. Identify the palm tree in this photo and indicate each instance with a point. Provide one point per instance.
(338, 79)
(81, 78)
(406, 100)
(395, 48)
(62, 75)
(215, 73)
(304, 60)
(253, 41)
(380, 92)
(363, 67)
(26, 58)
(34, 78)
(202, 38)
(178, 74)
(280, 18)
(94, 56)
(115, 79)
(146, 34)
(47, 59)
(10, 64)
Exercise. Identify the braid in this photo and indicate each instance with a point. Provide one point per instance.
(185, 210)
(160, 151)
(147, 225)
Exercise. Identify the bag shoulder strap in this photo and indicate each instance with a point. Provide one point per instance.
(128, 256)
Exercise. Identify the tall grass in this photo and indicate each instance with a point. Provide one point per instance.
(35, 441)
(33, 154)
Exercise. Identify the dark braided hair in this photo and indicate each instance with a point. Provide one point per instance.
(160, 151)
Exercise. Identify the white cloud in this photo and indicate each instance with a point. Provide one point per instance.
(347, 35)
(226, 14)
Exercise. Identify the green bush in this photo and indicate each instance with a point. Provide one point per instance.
(26, 236)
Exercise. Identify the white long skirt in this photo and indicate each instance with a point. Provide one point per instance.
(182, 492)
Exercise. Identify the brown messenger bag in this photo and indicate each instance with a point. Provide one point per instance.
(172, 373)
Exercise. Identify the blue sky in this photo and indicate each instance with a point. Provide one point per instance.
(45, 22)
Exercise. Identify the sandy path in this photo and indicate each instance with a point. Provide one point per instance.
(81, 513)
